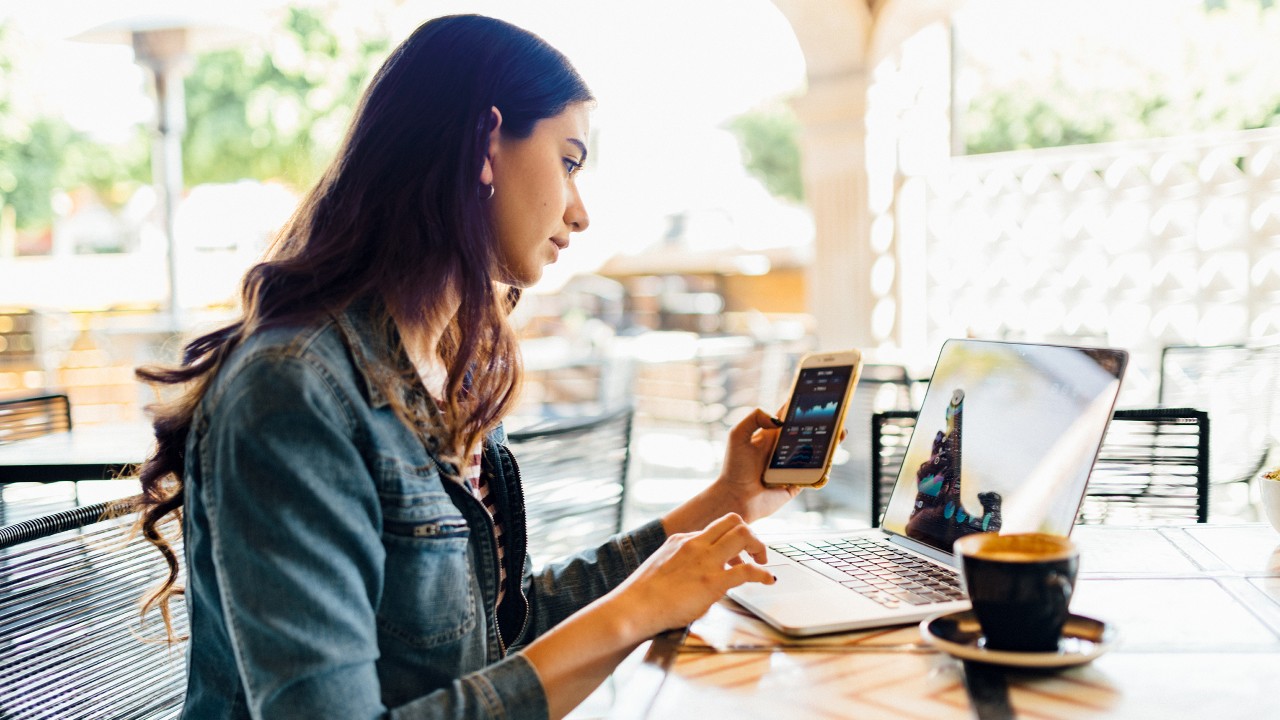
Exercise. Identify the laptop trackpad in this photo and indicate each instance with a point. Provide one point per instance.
(791, 579)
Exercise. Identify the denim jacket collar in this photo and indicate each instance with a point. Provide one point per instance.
(377, 350)
(375, 346)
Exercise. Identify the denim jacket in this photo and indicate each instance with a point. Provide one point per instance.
(336, 568)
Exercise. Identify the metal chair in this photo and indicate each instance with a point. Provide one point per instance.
(1236, 385)
(71, 642)
(890, 434)
(574, 475)
(26, 417)
(1152, 468)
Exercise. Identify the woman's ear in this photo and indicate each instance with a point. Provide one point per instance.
(495, 136)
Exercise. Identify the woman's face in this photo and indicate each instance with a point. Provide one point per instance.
(535, 204)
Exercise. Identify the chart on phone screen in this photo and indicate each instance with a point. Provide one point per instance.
(811, 417)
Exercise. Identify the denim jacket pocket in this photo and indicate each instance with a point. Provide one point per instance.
(427, 595)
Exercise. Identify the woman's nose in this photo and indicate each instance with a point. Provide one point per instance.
(575, 215)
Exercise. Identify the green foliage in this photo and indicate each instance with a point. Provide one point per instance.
(1215, 68)
(267, 113)
(771, 149)
(1216, 71)
(275, 114)
(28, 168)
(28, 163)
(1035, 115)
(40, 155)
(113, 172)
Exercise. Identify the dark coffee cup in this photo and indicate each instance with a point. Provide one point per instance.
(1019, 586)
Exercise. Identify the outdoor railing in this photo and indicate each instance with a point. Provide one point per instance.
(1132, 244)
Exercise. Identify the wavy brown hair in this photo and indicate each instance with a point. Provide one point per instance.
(400, 216)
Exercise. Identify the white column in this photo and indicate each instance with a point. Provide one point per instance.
(832, 115)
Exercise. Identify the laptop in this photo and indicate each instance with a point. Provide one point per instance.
(1005, 440)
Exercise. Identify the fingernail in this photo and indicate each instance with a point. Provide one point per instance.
(776, 422)
(775, 577)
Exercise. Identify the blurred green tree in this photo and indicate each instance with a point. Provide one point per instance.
(1226, 77)
(40, 154)
(768, 139)
(271, 113)
(1217, 69)
(276, 112)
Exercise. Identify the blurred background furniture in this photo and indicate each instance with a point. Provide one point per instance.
(688, 391)
(46, 465)
(31, 416)
(574, 473)
(890, 434)
(24, 419)
(1236, 385)
(1152, 468)
(71, 642)
(703, 384)
(880, 388)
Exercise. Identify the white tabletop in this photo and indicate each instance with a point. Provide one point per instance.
(90, 452)
(1197, 609)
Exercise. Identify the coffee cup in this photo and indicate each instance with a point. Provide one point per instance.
(1020, 586)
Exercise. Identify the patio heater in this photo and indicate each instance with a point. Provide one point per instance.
(162, 43)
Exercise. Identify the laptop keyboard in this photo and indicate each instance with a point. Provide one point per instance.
(881, 572)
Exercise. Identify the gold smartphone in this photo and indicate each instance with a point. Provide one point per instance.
(813, 419)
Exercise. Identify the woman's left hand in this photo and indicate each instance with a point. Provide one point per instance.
(741, 480)
(740, 486)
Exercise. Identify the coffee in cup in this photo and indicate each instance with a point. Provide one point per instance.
(1019, 586)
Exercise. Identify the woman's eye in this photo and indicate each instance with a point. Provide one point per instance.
(572, 166)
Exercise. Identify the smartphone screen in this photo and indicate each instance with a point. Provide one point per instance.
(810, 426)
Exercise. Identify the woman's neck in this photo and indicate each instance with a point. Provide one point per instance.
(421, 340)
(422, 347)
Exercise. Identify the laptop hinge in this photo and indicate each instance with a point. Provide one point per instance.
(926, 550)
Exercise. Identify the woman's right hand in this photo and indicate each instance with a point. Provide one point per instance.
(681, 580)
(671, 589)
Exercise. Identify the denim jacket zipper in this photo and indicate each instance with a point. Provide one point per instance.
(505, 454)
(517, 507)
(493, 555)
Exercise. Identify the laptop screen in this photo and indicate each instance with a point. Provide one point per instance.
(1005, 440)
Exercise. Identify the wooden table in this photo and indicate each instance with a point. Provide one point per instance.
(90, 452)
(1197, 609)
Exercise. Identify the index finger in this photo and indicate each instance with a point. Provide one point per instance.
(722, 525)
(742, 538)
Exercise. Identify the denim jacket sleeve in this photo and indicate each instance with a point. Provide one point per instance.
(294, 525)
(564, 587)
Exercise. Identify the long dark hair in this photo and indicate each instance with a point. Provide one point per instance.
(399, 215)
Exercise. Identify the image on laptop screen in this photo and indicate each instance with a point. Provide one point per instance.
(1005, 440)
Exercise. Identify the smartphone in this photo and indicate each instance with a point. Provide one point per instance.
(814, 417)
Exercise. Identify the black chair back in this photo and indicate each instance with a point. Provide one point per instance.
(28, 417)
(574, 474)
(1152, 468)
(881, 387)
(890, 434)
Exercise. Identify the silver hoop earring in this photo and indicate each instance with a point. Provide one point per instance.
(486, 195)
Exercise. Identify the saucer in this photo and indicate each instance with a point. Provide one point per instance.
(959, 635)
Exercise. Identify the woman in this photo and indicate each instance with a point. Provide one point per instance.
(353, 524)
